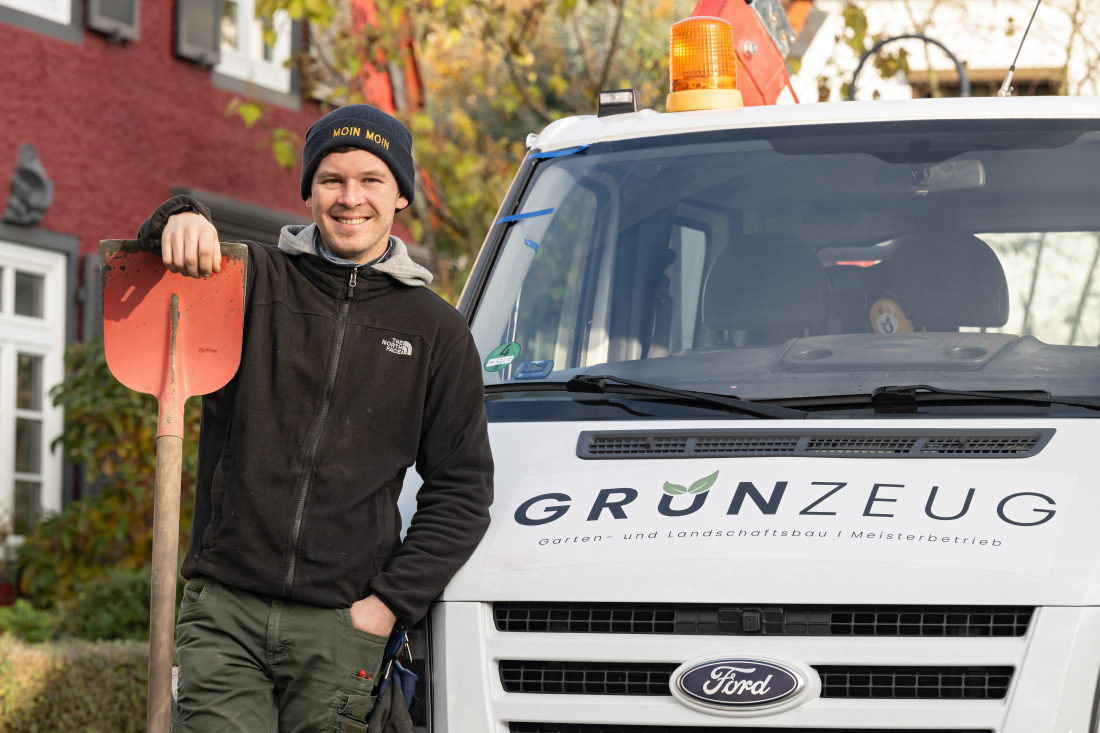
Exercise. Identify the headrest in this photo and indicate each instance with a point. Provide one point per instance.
(766, 282)
(945, 280)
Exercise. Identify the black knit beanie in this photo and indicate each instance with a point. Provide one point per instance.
(366, 127)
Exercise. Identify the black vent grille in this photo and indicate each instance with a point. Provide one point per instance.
(613, 728)
(658, 618)
(746, 444)
(981, 446)
(861, 445)
(587, 678)
(651, 678)
(614, 446)
(931, 683)
(597, 445)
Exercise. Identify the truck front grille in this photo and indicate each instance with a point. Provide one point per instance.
(651, 678)
(926, 683)
(667, 618)
(589, 728)
(587, 678)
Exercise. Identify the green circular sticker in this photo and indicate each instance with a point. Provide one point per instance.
(501, 356)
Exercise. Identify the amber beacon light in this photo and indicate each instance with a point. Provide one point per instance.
(702, 66)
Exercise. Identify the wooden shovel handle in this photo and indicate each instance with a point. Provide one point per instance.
(162, 606)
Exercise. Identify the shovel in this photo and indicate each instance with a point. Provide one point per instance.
(171, 336)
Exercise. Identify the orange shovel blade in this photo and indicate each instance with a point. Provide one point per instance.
(167, 334)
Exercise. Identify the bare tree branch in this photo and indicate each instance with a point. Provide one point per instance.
(440, 210)
(612, 47)
(586, 50)
(316, 43)
(510, 50)
(1075, 30)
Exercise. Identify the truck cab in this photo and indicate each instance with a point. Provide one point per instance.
(791, 410)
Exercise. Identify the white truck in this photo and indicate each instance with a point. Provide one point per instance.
(792, 409)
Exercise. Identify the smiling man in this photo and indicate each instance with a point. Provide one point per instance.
(351, 372)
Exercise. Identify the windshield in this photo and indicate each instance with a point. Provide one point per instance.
(808, 261)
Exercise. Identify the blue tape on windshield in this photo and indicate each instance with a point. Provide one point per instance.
(531, 243)
(560, 153)
(517, 217)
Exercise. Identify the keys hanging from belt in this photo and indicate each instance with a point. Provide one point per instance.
(397, 648)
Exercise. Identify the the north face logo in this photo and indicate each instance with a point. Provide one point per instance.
(396, 346)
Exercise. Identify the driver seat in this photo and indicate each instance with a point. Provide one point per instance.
(771, 286)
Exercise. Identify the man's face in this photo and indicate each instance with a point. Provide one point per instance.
(353, 197)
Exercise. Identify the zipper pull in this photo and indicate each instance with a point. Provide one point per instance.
(351, 282)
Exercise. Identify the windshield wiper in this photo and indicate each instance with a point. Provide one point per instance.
(902, 396)
(908, 395)
(599, 384)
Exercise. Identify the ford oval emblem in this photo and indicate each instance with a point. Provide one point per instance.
(737, 684)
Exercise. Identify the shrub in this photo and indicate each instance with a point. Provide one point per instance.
(26, 622)
(115, 606)
(110, 431)
(72, 686)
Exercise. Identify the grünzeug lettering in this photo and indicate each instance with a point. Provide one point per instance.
(1011, 509)
(995, 518)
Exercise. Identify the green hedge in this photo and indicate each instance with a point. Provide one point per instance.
(72, 686)
(113, 607)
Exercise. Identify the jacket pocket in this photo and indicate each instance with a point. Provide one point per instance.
(345, 614)
(386, 509)
(352, 712)
(217, 496)
(194, 593)
(366, 652)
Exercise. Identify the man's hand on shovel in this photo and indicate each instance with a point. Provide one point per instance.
(173, 337)
(190, 246)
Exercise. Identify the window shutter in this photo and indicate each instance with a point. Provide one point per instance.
(198, 31)
(120, 19)
(92, 299)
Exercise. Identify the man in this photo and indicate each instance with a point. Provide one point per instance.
(351, 371)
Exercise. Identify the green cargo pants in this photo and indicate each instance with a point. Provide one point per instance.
(256, 664)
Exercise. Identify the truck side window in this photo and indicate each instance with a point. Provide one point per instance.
(550, 313)
(690, 245)
(677, 291)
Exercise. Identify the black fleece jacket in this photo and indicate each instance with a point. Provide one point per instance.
(345, 381)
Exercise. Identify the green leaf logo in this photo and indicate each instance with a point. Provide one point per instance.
(698, 487)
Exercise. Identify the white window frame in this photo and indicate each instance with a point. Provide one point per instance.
(57, 11)
(43, 337)
(246, 61)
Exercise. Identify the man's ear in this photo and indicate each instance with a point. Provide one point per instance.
(402, 203)
(309, 202)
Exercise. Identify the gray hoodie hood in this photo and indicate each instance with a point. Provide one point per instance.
(298, 239)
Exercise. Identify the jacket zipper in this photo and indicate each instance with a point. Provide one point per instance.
(295, 535)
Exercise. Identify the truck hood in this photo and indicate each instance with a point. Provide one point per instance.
(836, 530)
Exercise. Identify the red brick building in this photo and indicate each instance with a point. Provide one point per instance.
(122, 103)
